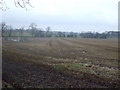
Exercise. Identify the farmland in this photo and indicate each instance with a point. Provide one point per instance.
(61, 62)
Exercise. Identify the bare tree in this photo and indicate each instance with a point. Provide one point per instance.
(18, 3)
(3, 5)
(48, 31)
(21, 30)
(33, 28)
(3, 27)
(9, 28)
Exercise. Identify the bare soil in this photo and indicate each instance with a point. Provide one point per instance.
(61, 63)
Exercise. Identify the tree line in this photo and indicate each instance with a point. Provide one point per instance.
(33, 31)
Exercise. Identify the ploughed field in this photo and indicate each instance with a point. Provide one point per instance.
(61, 63)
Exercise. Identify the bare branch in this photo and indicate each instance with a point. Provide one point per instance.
(18, 3)
(15, 3)
(3, 5)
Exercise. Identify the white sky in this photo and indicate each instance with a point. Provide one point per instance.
(65, 15)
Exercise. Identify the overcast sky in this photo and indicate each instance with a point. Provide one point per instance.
(65, 15)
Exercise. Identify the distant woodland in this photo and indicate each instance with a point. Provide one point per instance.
(33, 31)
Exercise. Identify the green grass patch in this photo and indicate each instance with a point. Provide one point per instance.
(79, 67)
(60, 67)
(27, 34)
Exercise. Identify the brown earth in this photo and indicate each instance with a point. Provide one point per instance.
(60, 62)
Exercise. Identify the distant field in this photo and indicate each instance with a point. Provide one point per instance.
(61, 62)
(17, 34)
